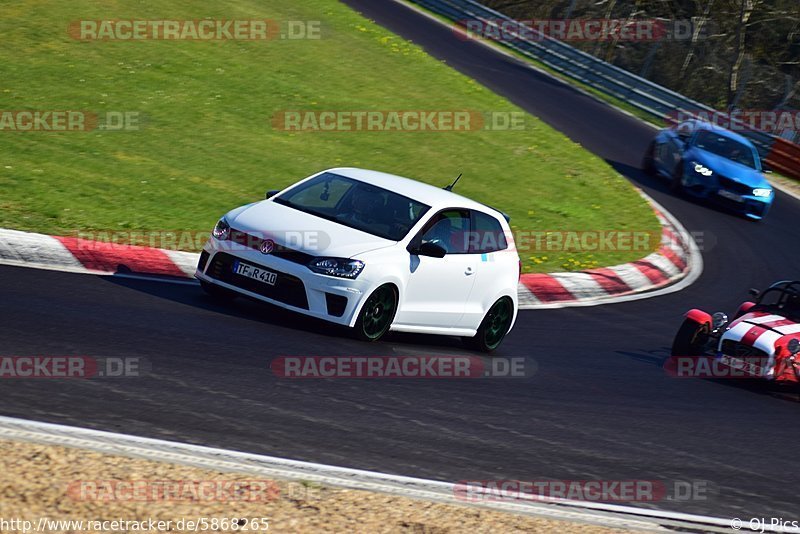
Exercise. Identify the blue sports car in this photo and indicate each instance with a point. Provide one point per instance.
(710, 162)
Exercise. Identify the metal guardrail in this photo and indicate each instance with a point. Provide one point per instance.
(634, 90)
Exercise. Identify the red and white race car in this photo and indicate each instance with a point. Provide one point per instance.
(762, 340)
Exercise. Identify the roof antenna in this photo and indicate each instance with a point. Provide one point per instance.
(451, 186)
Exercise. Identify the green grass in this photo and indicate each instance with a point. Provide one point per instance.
(207, 144)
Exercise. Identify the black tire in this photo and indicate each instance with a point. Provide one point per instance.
(219, 294)
(377, 314)
(494, 327)
(691, 339)
(648, 166)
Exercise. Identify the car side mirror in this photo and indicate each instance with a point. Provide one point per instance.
(766, 170)
(272, 192)
(431, 249)
(753, 292)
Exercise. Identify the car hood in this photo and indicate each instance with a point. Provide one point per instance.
(304, 232)
(763, 330)
(736, 171)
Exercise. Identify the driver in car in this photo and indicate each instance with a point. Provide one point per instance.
(792, 304)
(365, 204)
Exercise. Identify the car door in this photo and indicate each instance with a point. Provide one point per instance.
(497, 266)
(438, 288)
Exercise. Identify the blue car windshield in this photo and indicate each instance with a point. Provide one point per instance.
(355, 204)
(726, 147)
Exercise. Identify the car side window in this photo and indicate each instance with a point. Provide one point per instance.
(487, 234)
(685, 129)
(450, 230)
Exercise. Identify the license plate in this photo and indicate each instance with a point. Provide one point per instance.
(730, 196)
(256, 273)
(748, 368)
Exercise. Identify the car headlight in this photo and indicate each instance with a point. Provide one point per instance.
(341, 267)
(222, 230)
(718, 320)
(762, 192)
(699, 168)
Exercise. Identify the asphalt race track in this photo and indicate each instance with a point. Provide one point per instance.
(598, 407)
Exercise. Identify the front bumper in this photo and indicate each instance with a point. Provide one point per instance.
(297, 287)
(750, 206)
(726, 192)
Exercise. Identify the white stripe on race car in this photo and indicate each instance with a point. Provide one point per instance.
(766, 342)
(737, 332)
(788, 329)
(765, 319)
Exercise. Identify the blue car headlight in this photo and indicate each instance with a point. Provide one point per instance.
(701, 169)
(341, 267)
(762, 192)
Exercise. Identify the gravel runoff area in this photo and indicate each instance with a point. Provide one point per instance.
(59, 483)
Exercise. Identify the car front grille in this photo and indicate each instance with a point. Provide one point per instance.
(743, 351)
(287, 289)
(279, 251)
(734, 187)
(753, 207)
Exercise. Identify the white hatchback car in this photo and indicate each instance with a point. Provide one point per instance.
(374, 252)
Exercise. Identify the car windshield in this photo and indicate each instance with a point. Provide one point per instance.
(726, 147)
(782, 301)
(355, 204)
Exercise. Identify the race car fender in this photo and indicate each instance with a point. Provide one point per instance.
(698, 316)
(787, 365)
(744, 308)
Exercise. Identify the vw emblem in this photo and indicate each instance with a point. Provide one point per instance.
(267, 246)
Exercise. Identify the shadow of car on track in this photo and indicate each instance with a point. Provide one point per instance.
(189, 293)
